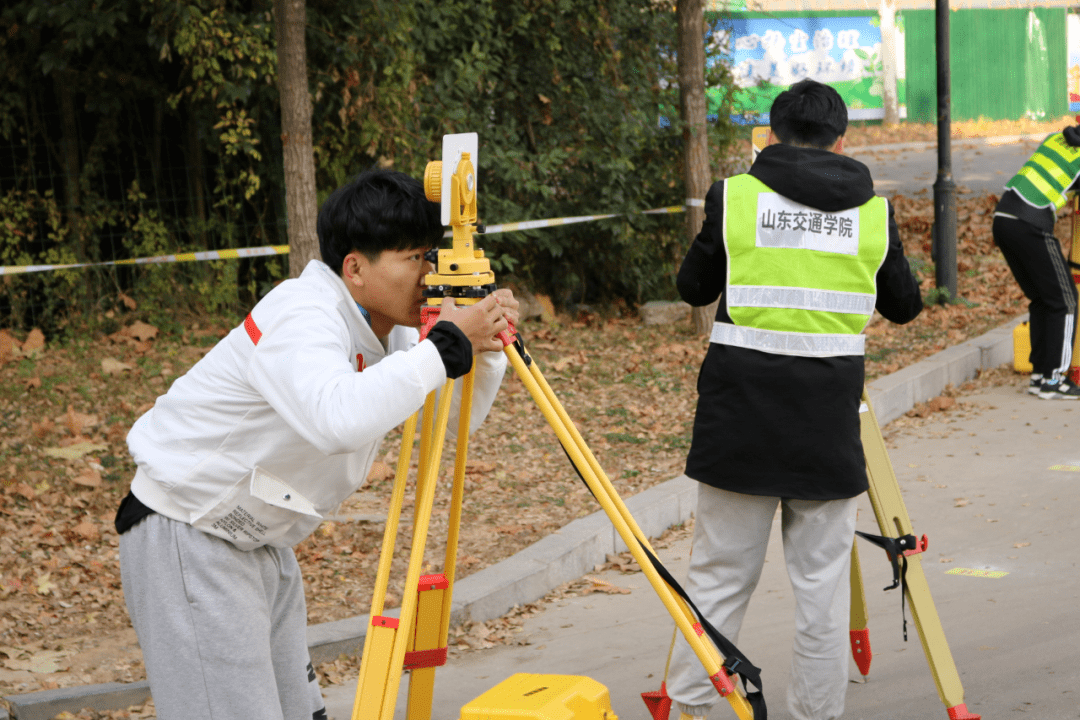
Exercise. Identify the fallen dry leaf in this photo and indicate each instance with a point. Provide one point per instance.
(1021, 544)
(34, 342)
(87, 530)
(31, 383)
(112, 366)
(44, 662)
(379, 471)
(598, 585)
(88, 478)
(140, 331)
(41, 429)
(128, 302)
(960, 502)
(9, 346)
(76, 421)
(25, 490)
(44, 584)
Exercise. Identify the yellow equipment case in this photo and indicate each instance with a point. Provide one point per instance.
(526, 696)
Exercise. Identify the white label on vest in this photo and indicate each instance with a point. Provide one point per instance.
(782, 223)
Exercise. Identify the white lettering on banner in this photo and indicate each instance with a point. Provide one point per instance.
(782, 223)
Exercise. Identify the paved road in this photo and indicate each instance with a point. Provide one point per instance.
(979, 166)
(980, 482)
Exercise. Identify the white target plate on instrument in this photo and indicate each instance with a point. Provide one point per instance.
(452, 148)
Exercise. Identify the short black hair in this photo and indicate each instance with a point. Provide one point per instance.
(375, 211)
(809, 113)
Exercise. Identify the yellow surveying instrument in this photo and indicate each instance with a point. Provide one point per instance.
(416, 640)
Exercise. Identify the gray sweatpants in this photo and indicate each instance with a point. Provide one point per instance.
(731, 533)
(223, 632)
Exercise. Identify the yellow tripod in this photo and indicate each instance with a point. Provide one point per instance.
(417, 639)
(892, 518)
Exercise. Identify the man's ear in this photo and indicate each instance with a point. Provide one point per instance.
(354, 269)
(838, 148)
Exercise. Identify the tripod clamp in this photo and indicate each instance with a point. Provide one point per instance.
(898, 549)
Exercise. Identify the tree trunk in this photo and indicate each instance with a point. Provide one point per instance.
(887, 10)
(63, 82)
(691, 58)
(301, 207)
(196, 181)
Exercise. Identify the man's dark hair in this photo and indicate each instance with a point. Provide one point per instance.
(375, 211)
(810, 114)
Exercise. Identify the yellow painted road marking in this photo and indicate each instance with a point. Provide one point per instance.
(970, 572)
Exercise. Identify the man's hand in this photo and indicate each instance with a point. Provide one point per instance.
(483, 321)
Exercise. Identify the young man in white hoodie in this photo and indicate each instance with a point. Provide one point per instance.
(271, 430)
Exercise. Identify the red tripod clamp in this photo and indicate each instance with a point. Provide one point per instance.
(429, 315)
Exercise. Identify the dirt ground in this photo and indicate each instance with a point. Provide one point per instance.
(65, 411)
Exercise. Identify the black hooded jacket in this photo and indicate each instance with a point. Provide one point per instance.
(781, 425)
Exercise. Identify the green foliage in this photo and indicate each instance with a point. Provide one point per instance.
(180, 97)
(29, 220)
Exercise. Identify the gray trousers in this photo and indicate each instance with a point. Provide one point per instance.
(223, 632)
(731, 533)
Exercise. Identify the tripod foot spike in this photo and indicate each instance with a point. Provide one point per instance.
(860, 650)
(658, 702)
(960, 712)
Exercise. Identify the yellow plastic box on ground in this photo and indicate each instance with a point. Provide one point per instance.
(526, 696)
(1022, 348)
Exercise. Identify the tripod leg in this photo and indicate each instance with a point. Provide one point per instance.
(436, 595)
(379, 640)
(426, 480)
(389, 637)
(860, 634)
(594, 464)
(893, 520)
(705, 652)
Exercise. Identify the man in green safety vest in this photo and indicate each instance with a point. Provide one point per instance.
(801, 252)
(1024, 230)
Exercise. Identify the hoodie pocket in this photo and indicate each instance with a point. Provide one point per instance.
(257, 511)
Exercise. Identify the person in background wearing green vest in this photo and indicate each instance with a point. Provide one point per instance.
(801, 252)
(1024, 230)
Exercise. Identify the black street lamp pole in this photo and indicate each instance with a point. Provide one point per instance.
(944, 240)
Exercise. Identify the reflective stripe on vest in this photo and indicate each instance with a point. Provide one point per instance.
(801, 298)
(801, 281)
(787, 343)
(1048, 173)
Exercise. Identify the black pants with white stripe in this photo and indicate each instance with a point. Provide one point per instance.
(1040, 269)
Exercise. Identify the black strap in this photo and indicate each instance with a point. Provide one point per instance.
(1074, 266)
(734, 659)
(896, 547)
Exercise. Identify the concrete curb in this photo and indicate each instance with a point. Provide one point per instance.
(573, 550)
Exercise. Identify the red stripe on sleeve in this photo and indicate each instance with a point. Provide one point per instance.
(252, 329)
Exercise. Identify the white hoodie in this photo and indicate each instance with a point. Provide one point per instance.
(281, 421)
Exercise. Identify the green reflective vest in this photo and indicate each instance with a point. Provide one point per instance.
(801, 281)
(1048, 174)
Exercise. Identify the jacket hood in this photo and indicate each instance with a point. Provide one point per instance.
(820, 179)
